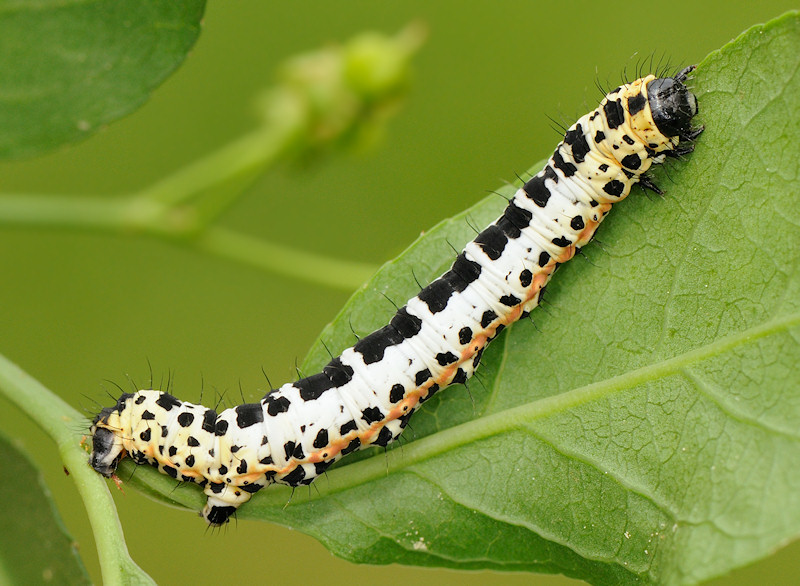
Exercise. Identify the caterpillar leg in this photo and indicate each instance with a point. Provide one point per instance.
(223, 502)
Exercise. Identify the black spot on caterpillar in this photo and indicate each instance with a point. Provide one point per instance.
(366, 395)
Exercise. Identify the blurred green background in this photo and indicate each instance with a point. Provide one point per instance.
(80, 308)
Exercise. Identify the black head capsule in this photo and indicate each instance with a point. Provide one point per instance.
(672, 104)
(106, 453)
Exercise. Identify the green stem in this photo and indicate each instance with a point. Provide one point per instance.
(181, 206)
(70, 211)
(140, 214)
(58, 420)
(314, 268)
(214, 181)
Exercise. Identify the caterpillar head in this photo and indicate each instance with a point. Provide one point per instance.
(107, 448)
(672, 104)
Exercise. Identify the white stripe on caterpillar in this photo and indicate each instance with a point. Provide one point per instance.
(366, 395)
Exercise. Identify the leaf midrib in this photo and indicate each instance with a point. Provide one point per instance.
(518, 418)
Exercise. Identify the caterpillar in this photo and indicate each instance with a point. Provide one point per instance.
(366, 395)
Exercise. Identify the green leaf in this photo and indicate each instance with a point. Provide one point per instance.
(68, 68)
(36, 546)
(645, 429)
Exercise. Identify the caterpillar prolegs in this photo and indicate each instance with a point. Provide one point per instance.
(366, 395)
